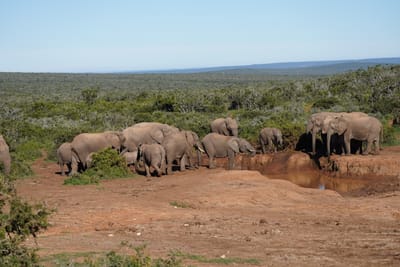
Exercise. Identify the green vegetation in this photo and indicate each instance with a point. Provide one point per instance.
(38, 112)
(18, 221)
(181, 204)
(41, 111)
(106, 164)
(138, 258)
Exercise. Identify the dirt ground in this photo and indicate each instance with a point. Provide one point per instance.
(217, 213)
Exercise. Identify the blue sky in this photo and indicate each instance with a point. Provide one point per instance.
(117, 35)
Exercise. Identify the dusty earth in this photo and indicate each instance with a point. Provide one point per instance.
(240, 214)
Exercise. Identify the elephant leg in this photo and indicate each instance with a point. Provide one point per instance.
(169, 165)
(147, 168)
(347, 143)
(368, 149)
(270, 145)
(61, 169)
(231, 160)
(262, 146)
(377, 146)
(74, 166)
(158, 170)
(211, 164)
(183, 163)
(69, 167)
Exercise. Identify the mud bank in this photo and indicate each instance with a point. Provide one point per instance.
(350, 175)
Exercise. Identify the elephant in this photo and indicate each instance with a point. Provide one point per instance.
(225, 126)
(64, 156)
(130, 157)
(220, 146)
(270, 136)
(316, 122)
(85, 143)
(146, 133)
(179, 147)
(363, 128)
(314, 126)
(332, 137)
(152, 155)
(5, 157)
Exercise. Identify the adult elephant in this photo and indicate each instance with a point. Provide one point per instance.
(146, 133)
(316, 123)
(152, 155)
(271, 137)
(220, 146)
(84, 144)
(225, 126)
(179, 146)
(64, 157)
(314, 126)
(5, 157)
(333, 135)
(368, 129)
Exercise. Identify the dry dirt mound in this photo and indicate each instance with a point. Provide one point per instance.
(238, 214)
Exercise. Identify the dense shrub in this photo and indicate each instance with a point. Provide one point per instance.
(106, 164)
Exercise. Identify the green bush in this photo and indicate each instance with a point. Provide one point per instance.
(18, 221)
(106, 164)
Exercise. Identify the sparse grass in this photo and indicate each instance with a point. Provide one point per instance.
(137, 259)
(220, 260)
(181, 204)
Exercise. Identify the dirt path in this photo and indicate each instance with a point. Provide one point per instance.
(214, 213)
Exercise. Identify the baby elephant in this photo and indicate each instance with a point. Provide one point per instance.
(130, 157)
(153, 155)
(64, 156)
(271, 137)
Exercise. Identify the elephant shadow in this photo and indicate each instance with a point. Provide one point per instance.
(304, 144)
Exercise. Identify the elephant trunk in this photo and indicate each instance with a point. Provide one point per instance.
(328, 144)
(314, 140)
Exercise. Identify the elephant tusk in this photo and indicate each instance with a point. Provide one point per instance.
(201, 150)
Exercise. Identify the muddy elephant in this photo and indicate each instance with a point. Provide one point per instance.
(179, 147)
(84, 144)
(5, 157)
(225, 126)
(333, 139)
(64, 157)
(271, 137)
(152, 155)
(146, 133)
(368, 129)
(221, 146)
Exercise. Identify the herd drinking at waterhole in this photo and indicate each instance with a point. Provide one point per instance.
(157, 146)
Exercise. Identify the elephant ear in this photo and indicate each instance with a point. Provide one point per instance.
(189, 138)
(157, 136)
(341, 126)
(233, 143)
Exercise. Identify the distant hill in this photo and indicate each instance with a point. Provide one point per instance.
(290, 68)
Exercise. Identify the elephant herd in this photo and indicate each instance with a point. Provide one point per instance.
(158, 146)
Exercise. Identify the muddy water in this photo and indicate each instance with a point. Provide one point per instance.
(298, 168)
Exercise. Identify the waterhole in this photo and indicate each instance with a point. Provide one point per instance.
(300, 169)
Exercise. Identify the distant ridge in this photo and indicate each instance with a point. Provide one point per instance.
(289, 68)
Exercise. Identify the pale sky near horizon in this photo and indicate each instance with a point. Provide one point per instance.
(121, 35)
